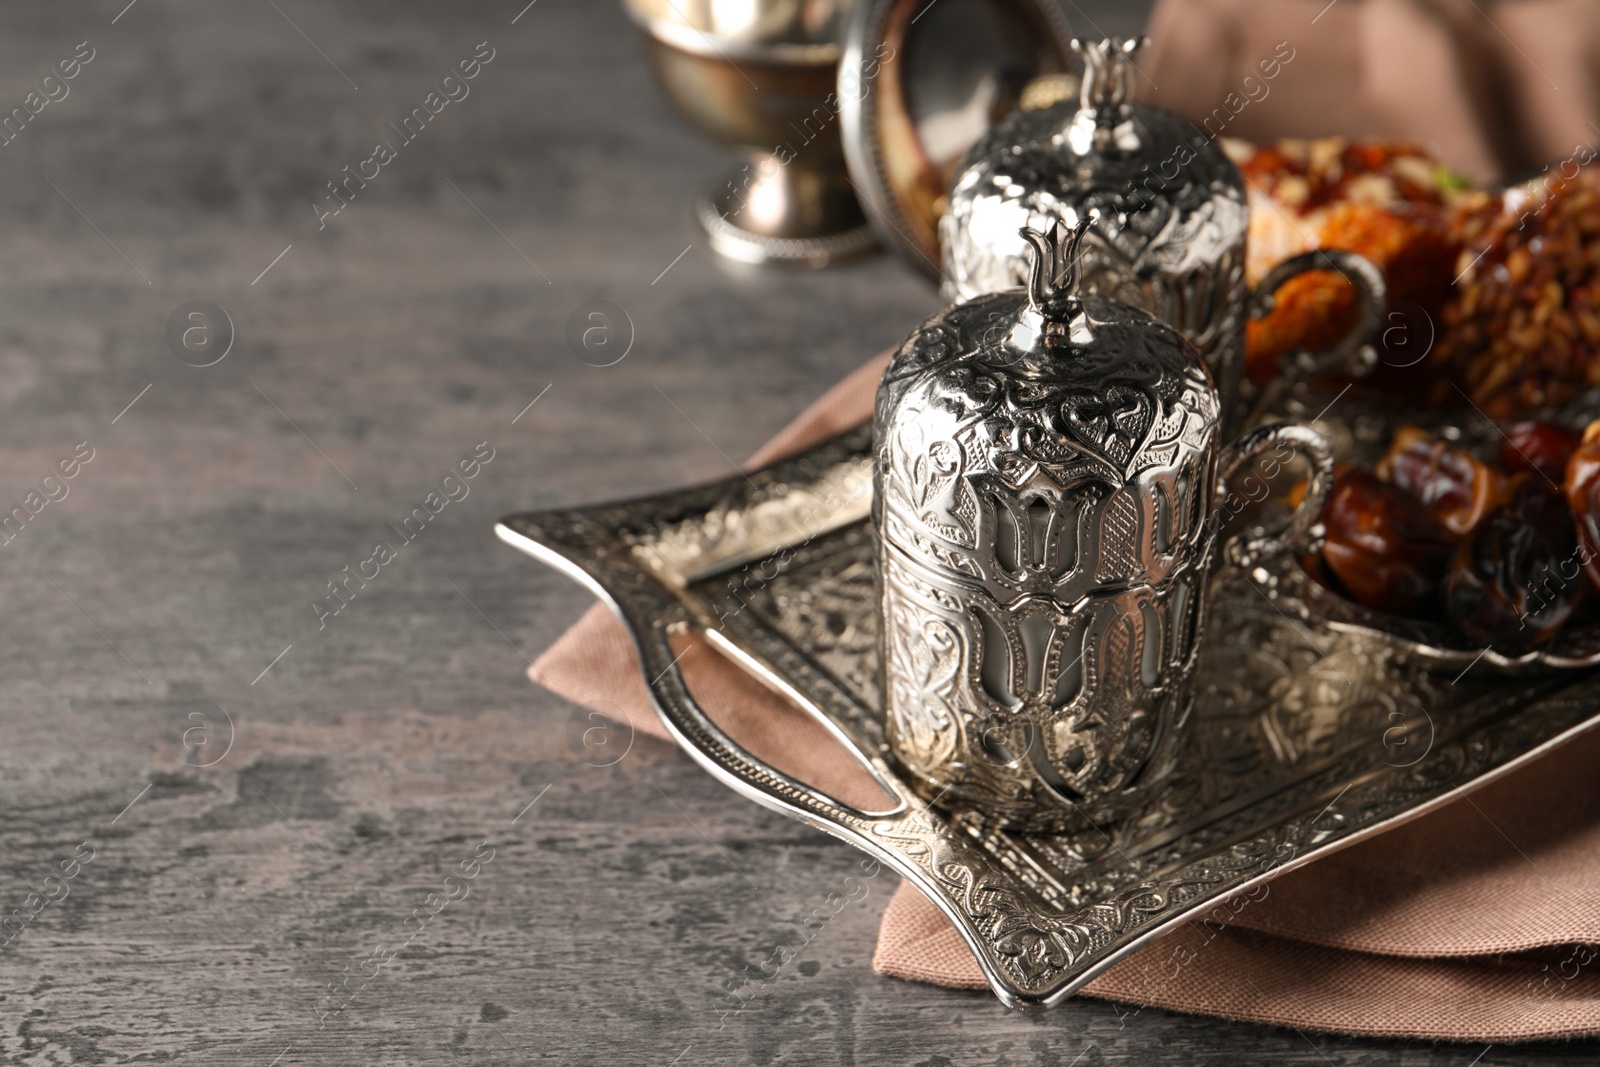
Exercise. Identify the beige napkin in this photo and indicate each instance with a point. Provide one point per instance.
(1474, 923)
(1496, 88)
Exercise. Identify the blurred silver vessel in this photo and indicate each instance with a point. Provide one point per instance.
(760, 76)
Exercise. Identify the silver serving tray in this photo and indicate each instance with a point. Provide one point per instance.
(1306, 737)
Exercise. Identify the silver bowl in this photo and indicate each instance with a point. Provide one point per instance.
(760, 76)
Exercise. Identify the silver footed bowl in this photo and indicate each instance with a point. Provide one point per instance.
(760, 77)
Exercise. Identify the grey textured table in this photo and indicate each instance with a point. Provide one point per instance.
(240, 811)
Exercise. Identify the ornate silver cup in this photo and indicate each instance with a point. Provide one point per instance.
(1172, 213)
(1047, 517)
(762, 77)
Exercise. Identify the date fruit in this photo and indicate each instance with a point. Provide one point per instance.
(1383, 545)
(1455, 486)
(1541, 447)
(1516, 579)
(1582, 486)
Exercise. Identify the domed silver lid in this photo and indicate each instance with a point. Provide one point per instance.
(1171, 203)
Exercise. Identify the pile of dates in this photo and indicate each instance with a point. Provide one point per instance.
(1504, 552)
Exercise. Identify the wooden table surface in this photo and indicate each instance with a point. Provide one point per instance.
(258, 802)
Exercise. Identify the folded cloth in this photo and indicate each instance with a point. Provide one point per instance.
(1495, 88)
(1477, 922)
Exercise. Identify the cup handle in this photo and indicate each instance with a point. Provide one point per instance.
(1302, 531)
(1351, 354)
